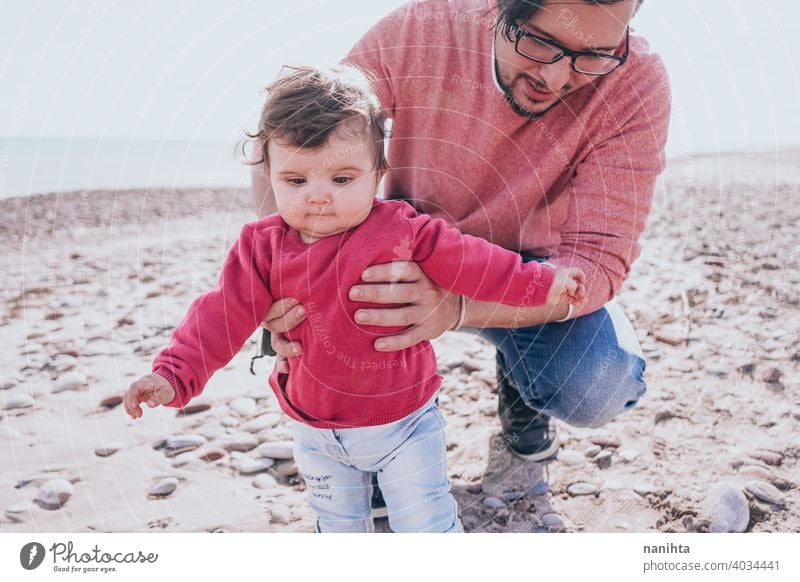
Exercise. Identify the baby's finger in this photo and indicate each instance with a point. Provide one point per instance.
(281, 365)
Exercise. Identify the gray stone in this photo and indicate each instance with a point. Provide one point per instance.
(262, 422)
(265, 481)
(108, 449)
(276, 450)
(494, 503)
(70, 381)
(242, 442)
(769, 457)
(249, 466)
(540, 488)
(582, 488)
(592, 451)
(726, 509)
(13, 400)
(765, 492)
(164, 487)
(55, 493)
(644, 488)
(552, 522)
(603, 459)
(571, 458)
(64, 363)
(8, 384)
(605, 442)
(19, 513)
(180, 442)
(280, 514)
(229, 421)
(756, 473)
(244, 407)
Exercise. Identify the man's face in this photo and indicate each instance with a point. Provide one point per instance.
(533, 88)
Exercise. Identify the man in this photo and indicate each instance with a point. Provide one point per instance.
(541, 127)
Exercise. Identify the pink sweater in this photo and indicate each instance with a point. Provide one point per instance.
(340, 380)
(575, 184)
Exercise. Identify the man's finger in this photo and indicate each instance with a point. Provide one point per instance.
(395, 293)
(282, 365)
(284, 347)
(288, 321)
(400, 341)
(401, 316)
(406, 271)
(279, 308)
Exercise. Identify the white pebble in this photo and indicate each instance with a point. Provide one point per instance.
(55, 493)
(165, 487)
(250, 466)
(244, 407)
(726, 509)
(19, 400)
(571, 458)
(276, 450)
(70, 381)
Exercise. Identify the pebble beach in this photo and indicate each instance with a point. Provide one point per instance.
(95, 281)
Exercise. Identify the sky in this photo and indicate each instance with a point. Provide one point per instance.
(195, 70)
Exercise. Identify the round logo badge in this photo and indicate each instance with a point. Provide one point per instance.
(32, 555)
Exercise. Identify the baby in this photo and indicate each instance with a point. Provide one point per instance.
(355, 411)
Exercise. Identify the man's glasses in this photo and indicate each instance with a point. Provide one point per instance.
(546, 51)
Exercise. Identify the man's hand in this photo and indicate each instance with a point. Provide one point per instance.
(153, 389)
(283, 316)
(428, 309)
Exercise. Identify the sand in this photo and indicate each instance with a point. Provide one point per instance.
(94, 282)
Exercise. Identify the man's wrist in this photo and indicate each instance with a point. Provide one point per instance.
(462, 313)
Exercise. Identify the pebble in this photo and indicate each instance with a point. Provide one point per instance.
(195, 408)
(605, 442)
(644, 488)
(212, 455)
(756, 472)
(55, 493)
(8, 385)
(108, 449)
(244, 407)
(725, 507)
(628, 454)
(796, 413)
(494, 503)
(603, 459)
(250, 466)
(276, 450)
(184, 459)
(540, 488)
(513, 496)
(614, 484)
(164, 487)
(471, 365)
(772, 376)
(180, 443)
(111, 401)
(229, 421)
(262, 422)
(475, 488)
(64, 363)
(20, 400)
(70, 381)
(571, 457)
(242, 442)
(18, 513)
(280, 514)
(768, 457)
(592, 451)
(552, 522)
(286, 469)
(765, 492)
(581, 488)
(265, 481)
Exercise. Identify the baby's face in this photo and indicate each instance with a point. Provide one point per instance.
(324, 191)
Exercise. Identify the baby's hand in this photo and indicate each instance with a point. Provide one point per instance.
(569, 286)
(153, 389)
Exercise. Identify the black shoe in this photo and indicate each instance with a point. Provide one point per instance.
(378, 503)
(526, 432)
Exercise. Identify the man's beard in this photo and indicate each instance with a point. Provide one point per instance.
(515, 105)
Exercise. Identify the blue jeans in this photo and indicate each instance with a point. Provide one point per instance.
(409, 457)
(584, 371)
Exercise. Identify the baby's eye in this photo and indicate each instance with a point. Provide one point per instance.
(342, 179)
(297, 181)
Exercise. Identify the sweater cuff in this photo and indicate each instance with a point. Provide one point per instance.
(543, 284)
(180, 392)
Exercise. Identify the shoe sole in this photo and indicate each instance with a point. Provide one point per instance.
(548, 453)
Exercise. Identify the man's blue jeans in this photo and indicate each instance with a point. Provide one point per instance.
(584, 371)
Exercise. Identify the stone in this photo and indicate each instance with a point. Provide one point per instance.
(769, 457)
(286, 469)
(185, 459)
(644, 488)
(265, 481)
(592, 451)
(552, 522)
(571, 458)
(772, 376)
(280, 513)
(108, 449)
(756, 473)
(581, 488)
(8, 384)
(605, 442)
(726, 509)
(229, 421)
(471, 365)
(475, 488)
(18, 513)
(70, 381)
(276, 450)
(513, 496)
(540, 488)
(212, 455)
(186, 442)
(262, 422)
(603, 459)
(12, 401)
(248, 466)
(614, 484)
(194, 408)
(111, 401)
(55, 493)
(765, 492)
(796, 413)
(64, 363)
(494, 503)
(242, 442)
(628, 455)
(244, 407)
(164, 487)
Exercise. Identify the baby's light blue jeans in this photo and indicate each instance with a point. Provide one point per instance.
(409, 457)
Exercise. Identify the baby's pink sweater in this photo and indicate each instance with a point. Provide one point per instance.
(340, 380)
(575, 184)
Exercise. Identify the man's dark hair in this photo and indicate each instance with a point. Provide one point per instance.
(513, 12)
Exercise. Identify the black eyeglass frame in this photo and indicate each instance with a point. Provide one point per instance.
(519, 34)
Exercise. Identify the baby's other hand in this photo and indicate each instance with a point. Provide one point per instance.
(569, 286)
(153, 389)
